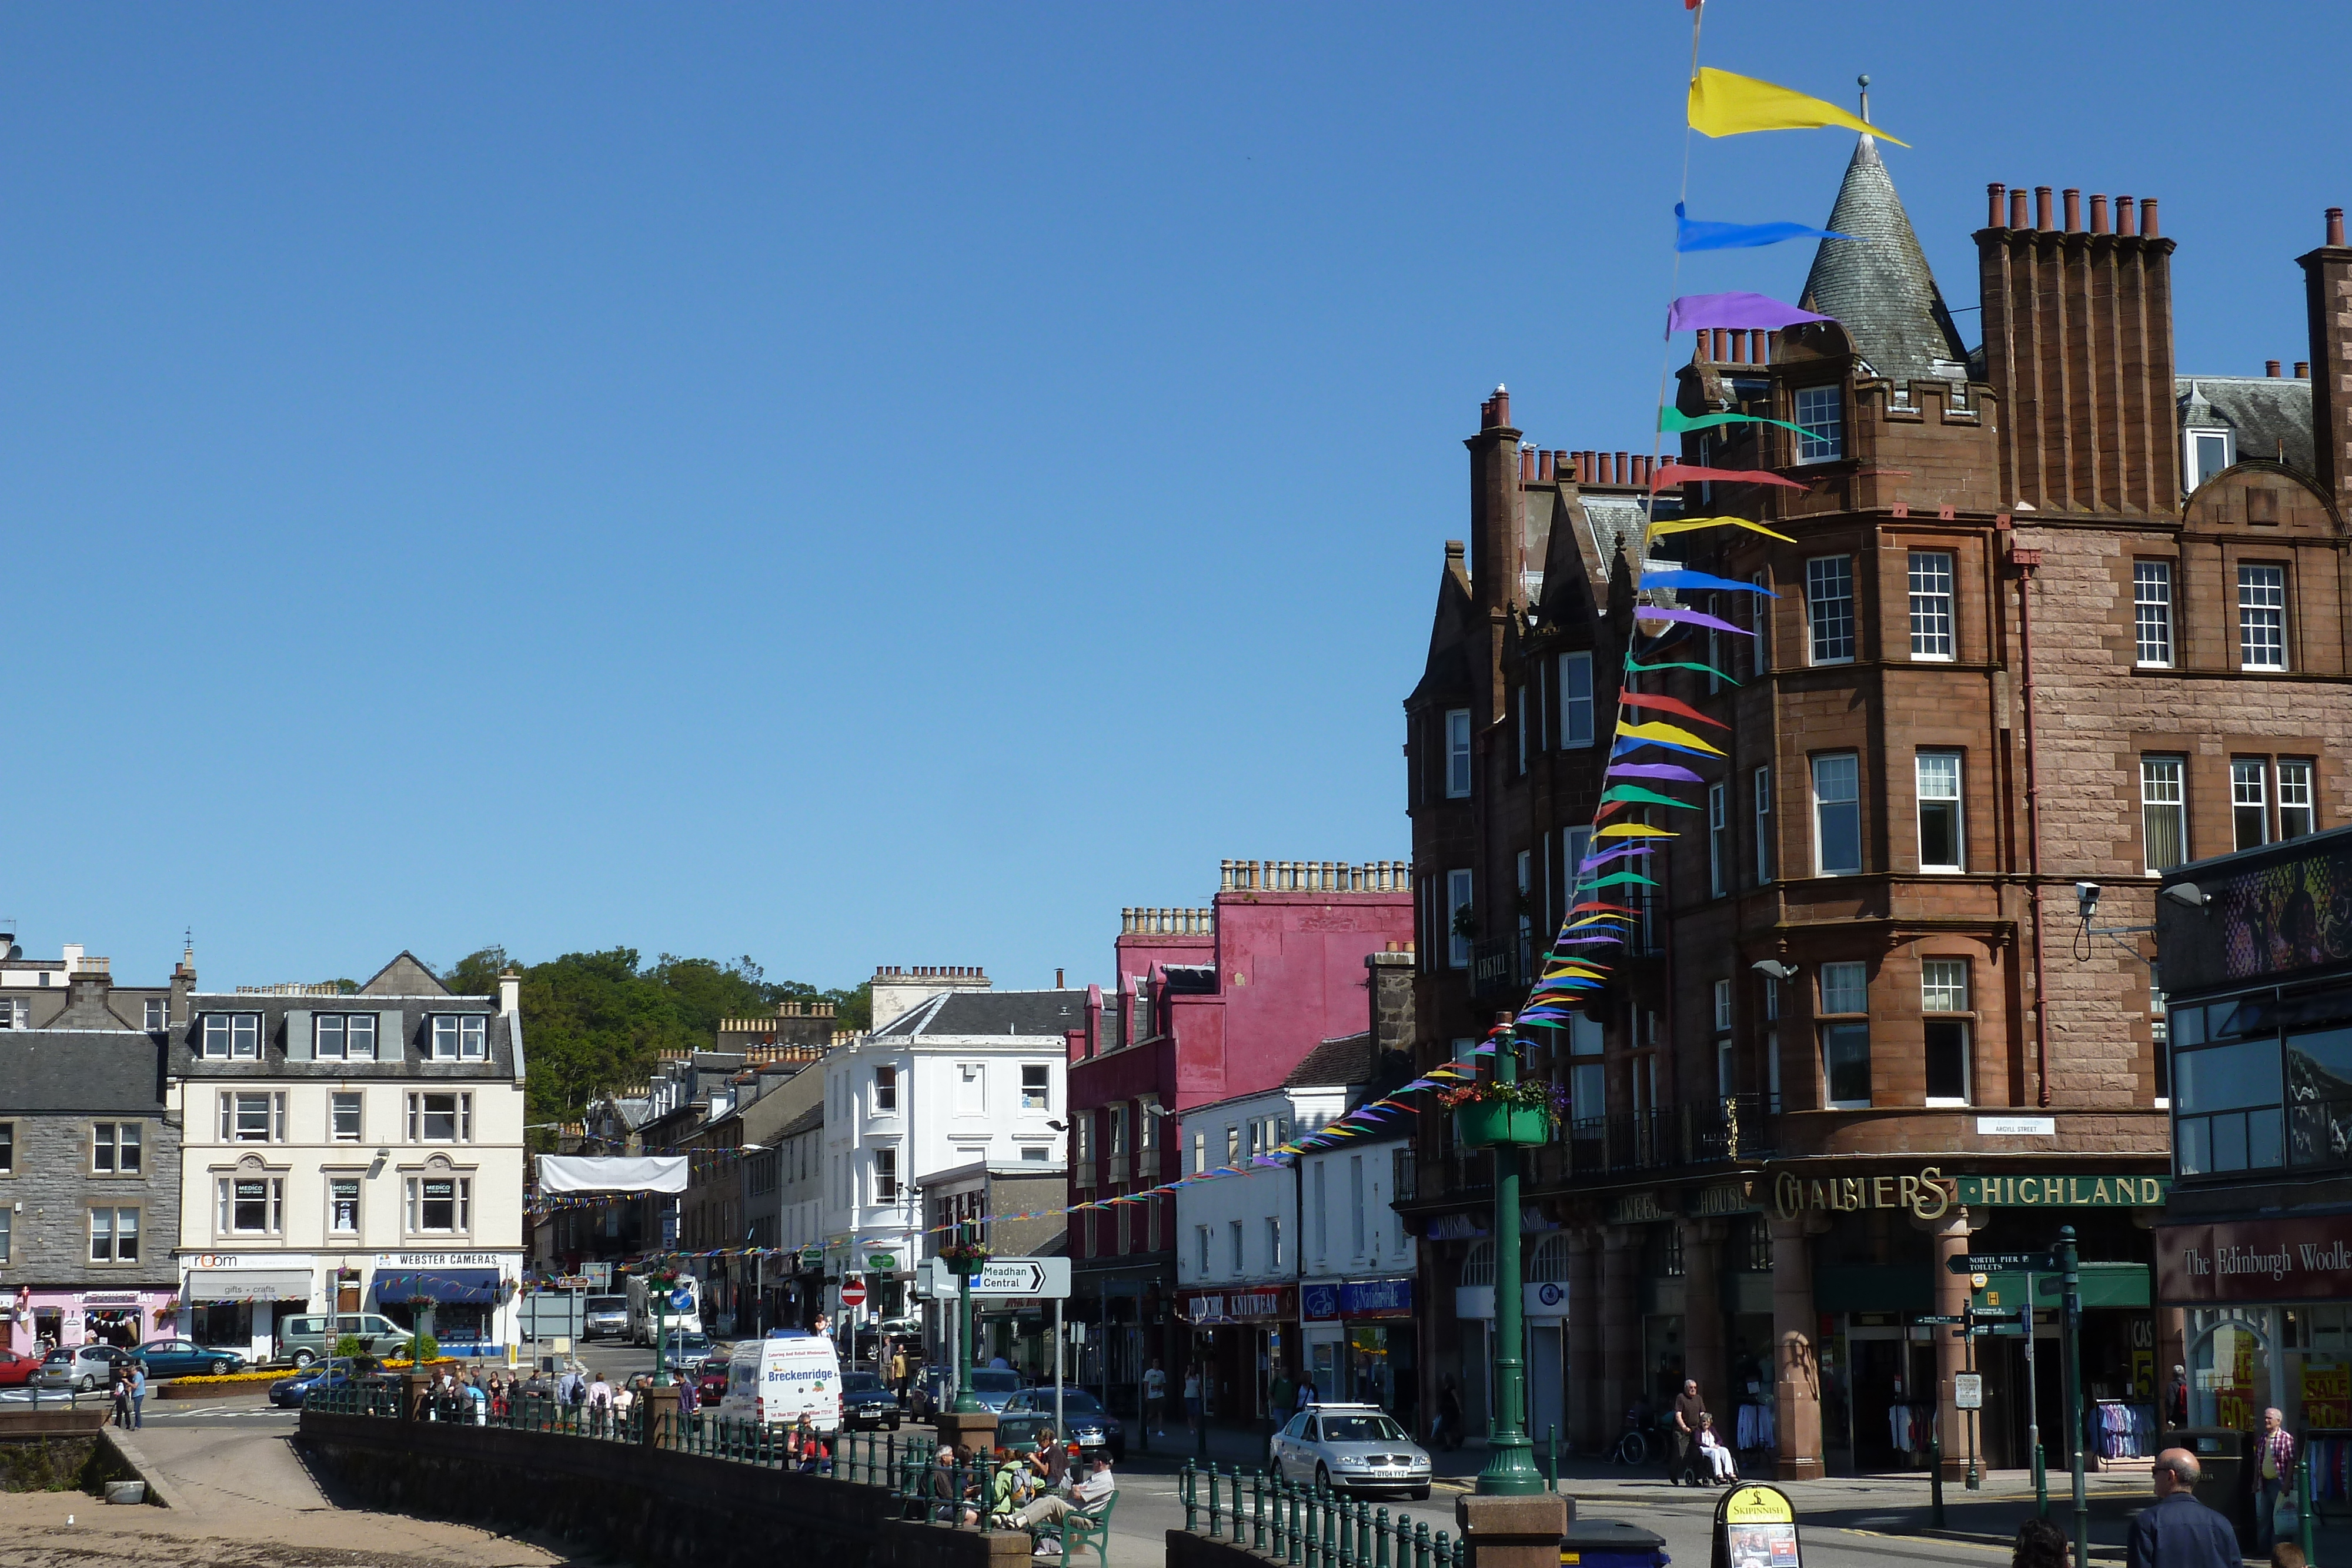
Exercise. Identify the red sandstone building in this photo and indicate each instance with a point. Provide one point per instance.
(2051, 615)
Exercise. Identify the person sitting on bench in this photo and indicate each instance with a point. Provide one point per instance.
(1052, 1508)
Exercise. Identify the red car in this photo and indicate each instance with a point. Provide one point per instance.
(17, 1370)
(711, 1384)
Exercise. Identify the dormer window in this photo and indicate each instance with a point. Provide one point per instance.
(2208, 453)
(233, 1037)
(346, 1037)
(461, 1036)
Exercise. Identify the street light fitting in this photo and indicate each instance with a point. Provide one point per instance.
(2186, 892)
(1775, 969)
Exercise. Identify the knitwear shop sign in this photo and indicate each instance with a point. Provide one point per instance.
(2254, 1260)
(1206, 1308)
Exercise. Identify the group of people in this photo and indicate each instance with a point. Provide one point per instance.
(130, 1396)
(1695, 1430)
(1029, 1491)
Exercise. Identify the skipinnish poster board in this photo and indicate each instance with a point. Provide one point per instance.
(1756, 1527)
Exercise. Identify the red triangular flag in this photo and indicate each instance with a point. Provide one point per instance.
(1668, 705)
(1667, 473)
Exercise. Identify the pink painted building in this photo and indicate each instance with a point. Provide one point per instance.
(1207, 1004)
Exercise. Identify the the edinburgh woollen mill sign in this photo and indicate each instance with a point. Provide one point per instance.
(2254, 1260)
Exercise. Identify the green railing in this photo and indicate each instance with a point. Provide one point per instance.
(1307, 1526)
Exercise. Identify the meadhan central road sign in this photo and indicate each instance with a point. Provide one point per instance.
(2003, 1264)
(1035, 1279)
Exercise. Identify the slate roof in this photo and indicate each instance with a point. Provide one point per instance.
(2263, 411)
(1347, 1059)
(74, 1071)
(186, 1041)
(808, 1120)
(1038, 1013)
(1877, 284)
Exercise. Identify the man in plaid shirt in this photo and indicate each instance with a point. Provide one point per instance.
(2273, 1472)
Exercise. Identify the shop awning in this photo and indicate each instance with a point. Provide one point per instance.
(249, 1285)
(469, 1287)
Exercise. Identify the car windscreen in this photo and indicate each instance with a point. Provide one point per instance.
(608, 1304)
(1360, 1429)
(860, 1382)
(1075, 1402)
(996, 1381)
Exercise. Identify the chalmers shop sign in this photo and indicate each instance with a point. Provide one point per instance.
(1930, 1194)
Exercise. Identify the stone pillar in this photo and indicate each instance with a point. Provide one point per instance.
(660, 1404)
(1702, 1323)
(1950, 1238)
(1796, 1369)
(1512, 1531)
(1591, 1423)
(972, 1429)
(1621, 1323)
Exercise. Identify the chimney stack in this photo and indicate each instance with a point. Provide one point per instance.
(2123, 216)
(1495, 524)
(1057, 980)
(2078, 341)
(2270, 369)
(1993, 193)
(2327, 295)
(2098, 214)
(2017, 208)
(2303, 370)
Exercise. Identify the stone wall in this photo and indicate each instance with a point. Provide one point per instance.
(57, 1450)
(651, 1506)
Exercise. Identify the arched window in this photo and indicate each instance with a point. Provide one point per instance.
(1478, 1263)
(1548, 1265)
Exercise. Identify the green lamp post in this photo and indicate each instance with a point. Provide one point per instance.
(1505, 1124)
(964, 1259)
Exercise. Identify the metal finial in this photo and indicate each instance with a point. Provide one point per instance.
(1863, 83)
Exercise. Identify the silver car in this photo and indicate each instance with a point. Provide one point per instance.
(1353, 1449)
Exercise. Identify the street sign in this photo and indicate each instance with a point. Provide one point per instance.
(1967, 1391)
(681, 1301)
(853, 1292)
(1942, 1318)
(1047, 1278)
(882, 1263)
(2003, 1264)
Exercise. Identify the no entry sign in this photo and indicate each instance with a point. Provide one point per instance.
(853, 1292)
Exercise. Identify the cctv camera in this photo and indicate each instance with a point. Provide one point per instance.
(2087, 898)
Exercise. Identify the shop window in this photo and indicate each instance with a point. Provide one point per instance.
(343, 1205)
(114, 1148)
(249, 1206)
(440, 1205)
(2227, 1107)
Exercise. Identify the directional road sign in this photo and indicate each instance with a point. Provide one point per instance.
(1942, 1318)
(1044, 1279)
(2003, 1264)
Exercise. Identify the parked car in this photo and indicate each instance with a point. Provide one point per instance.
(930, 1396)
(1351, 1448)
(305, 1338)
(607, 1317)
(332, 1372)
(185, 1358)
(994, 1385)
(85, 1368)
(16, 1371)
(1093, 1428)
(866, 1401)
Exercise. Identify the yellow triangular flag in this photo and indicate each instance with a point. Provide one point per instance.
(1685, 525)
(1722, 104)
(1670, 733)
(1635, 830)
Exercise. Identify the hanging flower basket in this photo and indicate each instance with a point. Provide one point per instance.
(964, 1259)
(1523, 1113)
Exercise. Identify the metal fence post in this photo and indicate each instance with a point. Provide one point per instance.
(1216, 1528)
(1187, 1484)
(1257, 1510)
(1421, 1544)
(1380, 1539)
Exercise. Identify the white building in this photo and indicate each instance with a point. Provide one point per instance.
(1357, 1260)
(965, 1076)
(349, 1152)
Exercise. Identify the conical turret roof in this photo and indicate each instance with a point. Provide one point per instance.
(1877, 284)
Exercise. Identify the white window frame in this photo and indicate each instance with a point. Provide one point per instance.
(232, 1037)
(1944, 987)
(2152, 614)
(336, 1105)
(2249, 792)
(1576, 728)
(2163, 787)
(1954, 802)
(115, 1234)
(159, 1013)
(1852, 762)
(1039, 1095)
(1457, 753)
(1722, 1006)
(359, 1196)
(419, 1112)
(109, 1141)
(2295, 794)
(2188, 453)
(1820, 413)
(1829, 584)
(1935, 616)
(886, 1089)
(1834, 994)
(2261, 616)
(460, 1037)
(235, 1103)
(461, 1200)
(273, 1202)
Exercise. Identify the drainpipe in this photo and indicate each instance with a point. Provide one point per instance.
(2027, 561)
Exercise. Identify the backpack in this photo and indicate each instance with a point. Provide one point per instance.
(579, 1393)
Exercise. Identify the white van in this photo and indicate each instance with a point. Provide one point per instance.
(780, 1380)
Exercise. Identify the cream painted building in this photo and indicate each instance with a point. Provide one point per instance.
(349, 1152)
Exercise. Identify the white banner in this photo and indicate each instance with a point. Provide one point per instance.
(612, 1173)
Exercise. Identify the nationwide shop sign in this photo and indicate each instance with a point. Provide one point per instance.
(1207, 1308)
(2254, 1260)
(1376, 1299)
(1319, 1304)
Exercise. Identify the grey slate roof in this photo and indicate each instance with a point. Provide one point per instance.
(1347, 1059)
(1877, 284)
(1044, 1013)
(808, 1120)
(2263, 411)
(186, 1042)
(61, 1070)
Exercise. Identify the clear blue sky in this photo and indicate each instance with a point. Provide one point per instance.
(862, 485)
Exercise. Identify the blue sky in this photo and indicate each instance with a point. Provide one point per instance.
(863, 485)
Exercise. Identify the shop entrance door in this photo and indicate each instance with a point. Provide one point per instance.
(1878, 1384)
(1546, 1383)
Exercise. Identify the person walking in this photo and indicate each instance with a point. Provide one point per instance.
(1448, 1432)
(2271, 1475)
(121, 1392)
(1193, 1399)
(139, 1394)
(899, 1373)
(2179, 1531)
(1155, 1400)
(1689, 1411)
(600, 1403)
(1283, 1398)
